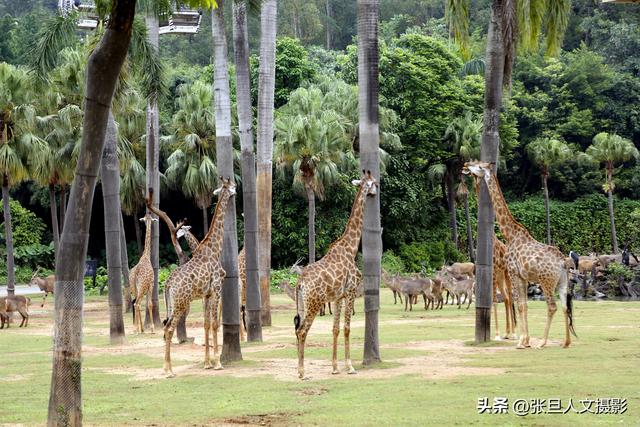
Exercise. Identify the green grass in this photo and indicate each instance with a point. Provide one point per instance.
(408, 388)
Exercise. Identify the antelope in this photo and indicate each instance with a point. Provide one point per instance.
(13, 303)
(46, 284)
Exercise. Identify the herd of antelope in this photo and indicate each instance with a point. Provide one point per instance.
(20, 304)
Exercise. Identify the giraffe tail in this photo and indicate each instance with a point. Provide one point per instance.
(566, 299)
(513, 312)
(297, 319)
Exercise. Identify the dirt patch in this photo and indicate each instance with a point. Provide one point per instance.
(313, 391)
(276, 419)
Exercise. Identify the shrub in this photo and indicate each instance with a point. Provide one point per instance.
(392, 263)
(28, 229)
(278, 276)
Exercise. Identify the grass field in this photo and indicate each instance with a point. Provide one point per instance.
(431, 372)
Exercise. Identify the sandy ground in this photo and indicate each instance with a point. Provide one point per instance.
(441, 359)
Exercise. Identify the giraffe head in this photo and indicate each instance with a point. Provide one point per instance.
(148, 219)
(367, 182)
(478, 169)
(182, 228)
(226, 184)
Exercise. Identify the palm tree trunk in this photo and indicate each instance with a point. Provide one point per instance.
(472, 256)
(224, 154)
(614, 234)
(370, 160)
(8, 237)
(494, 76)
(245, 129)
(110, 175)
(328, 24)
(311, 199)
(63, 205)
(65, 400)
(205, 220)
(136, 227)
(546, 207)
(266, 89)
(153, 179)
(124, 261)
(54, 217)
(451, 205)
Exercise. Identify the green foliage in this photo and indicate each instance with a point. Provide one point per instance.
(582, 225)
(23, 273)
(35, 255)
(431, 254)
(615, 271)
(392, 263)
(282, 275)
(28, 229)
(293, 68)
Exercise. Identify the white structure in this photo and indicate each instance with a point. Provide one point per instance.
(182, 21)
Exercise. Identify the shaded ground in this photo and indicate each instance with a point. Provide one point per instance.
(431, 373)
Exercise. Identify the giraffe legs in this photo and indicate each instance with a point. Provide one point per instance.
(347, 330)
(551, 310)
(150, 308)
(301, 334)
(168, 334)
(495, 315)
(523, 342)
(215, 306)
(336, 332)
(207, 312)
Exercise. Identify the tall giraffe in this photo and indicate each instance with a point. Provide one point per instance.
(141, 278)
(200, 277)
(501, 282)
(528, 261)
(333, 279)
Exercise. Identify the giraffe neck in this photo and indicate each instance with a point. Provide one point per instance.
(147, 241)
(350, 239)
(213, 239)
(191, 241)
(510, 228)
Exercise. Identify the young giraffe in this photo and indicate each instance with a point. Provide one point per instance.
(141, 278)
(333, 279)
(528, 261)
(200, 277)
(501, 282)
(242, 275)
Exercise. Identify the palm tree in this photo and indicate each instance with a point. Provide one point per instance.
(462, 143)
(131, 118)
(103, 69)
(249, 202)
(191, 165)
(224, 154)
(311, 140)
(370, 160)
(511, 21)
(611, 149)
(266, 90)
(547, 153)
(17, 140)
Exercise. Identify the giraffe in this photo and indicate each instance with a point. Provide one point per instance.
(200, 277)
(501, 282)
(334, 279)
(141, 277)
(528, 261)
(183, 230)
(242, 274)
